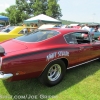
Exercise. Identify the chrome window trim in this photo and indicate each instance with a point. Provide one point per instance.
(0, 62)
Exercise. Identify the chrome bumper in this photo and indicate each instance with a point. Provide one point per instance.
(5, 76)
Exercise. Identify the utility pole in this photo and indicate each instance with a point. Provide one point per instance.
(93, 17)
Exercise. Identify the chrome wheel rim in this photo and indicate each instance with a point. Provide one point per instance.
(54, 72)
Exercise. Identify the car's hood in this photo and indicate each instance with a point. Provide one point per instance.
(12, 45)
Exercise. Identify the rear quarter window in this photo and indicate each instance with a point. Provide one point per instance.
(37, 36)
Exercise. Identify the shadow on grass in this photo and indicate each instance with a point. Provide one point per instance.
(34, 90)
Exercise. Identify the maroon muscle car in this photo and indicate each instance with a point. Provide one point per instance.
(46, 54)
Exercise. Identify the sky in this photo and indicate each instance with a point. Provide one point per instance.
(72, 10)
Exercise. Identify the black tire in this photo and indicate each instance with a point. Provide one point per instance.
(54, 73)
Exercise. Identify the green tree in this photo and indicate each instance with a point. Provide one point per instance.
(39, 7)
(47, 7)
(53, 9)
(15, 15)
(11, 13)
(25, 6)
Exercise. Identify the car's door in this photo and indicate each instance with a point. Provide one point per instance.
(82, 46)
(86, 52)
(96, 48)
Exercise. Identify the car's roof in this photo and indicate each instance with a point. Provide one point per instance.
(67, 30)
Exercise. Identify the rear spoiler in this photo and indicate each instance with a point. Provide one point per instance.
(2, 51)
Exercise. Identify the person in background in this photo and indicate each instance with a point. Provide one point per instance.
(31, 25)
(99, 38)
(99, 28)
(91, 29)
(35, 26)
(82, 26)
(23, 24)
(86, 27)
(96, 28)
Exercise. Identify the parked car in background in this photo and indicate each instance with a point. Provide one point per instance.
(1, 27)
(46, 54)
(95, 30)
(14, 31)
(96, 35)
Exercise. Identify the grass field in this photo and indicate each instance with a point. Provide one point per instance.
(81, 83)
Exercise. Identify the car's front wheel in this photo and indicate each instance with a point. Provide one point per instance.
(53, 73)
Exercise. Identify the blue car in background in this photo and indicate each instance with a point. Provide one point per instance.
(95, 29)
(96, 35)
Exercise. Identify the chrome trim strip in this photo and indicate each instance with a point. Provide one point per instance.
(0, 62)
(5, 76)
(82, 63)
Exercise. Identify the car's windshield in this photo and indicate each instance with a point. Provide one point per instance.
(8, 29)
(37, 36)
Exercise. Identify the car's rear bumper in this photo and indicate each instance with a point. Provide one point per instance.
(5, 76)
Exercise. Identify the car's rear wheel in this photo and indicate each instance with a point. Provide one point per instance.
(53, 73)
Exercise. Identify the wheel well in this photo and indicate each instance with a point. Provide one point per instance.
(65, 61)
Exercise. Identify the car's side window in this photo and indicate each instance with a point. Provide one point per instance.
(77, 38)
(38, 36)
(82, 37)
(71, 39)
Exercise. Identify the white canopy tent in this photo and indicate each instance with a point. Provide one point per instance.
(73, 25)
(42, 19)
